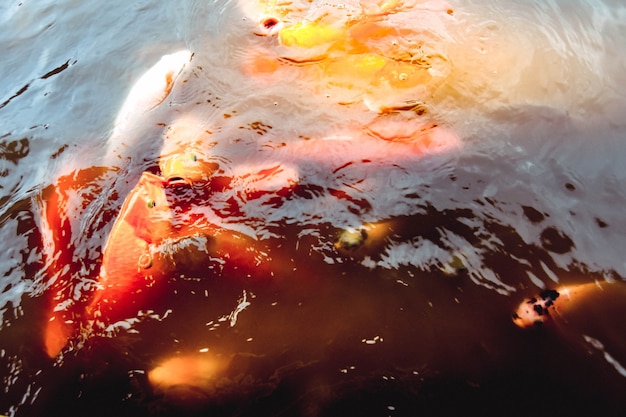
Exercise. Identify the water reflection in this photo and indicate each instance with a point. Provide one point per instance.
(293, 269)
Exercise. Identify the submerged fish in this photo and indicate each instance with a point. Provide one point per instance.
(378, 62)
(579, 314)
(244, 212)
(208, 206)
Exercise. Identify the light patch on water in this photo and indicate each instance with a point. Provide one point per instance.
(243, 303)
(595, 343)
(14, 284)
(128, 325)
(423, 254)
(533, 278)
(549, 272)
(372, 341)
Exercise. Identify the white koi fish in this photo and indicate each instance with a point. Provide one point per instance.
(148, 92)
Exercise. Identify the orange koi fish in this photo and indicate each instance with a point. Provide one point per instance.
(365, 54)
(571, 303)
(63, 205)
(63, 211)
(581, 315)
(196, 211)
(167, 226)
(155, 238)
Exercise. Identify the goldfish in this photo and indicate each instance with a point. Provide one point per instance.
(365, 54)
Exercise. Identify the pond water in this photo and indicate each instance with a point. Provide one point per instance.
(513, 184)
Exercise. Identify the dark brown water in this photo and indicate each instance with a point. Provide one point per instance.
(417, 324)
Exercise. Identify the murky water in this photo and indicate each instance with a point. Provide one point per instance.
(517, 185)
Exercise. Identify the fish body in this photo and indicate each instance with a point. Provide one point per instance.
(373, 59)
(65, 205)
(150, 90)
(581, 316)
(202, 208)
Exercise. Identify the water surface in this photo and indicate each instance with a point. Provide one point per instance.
(531, 199)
